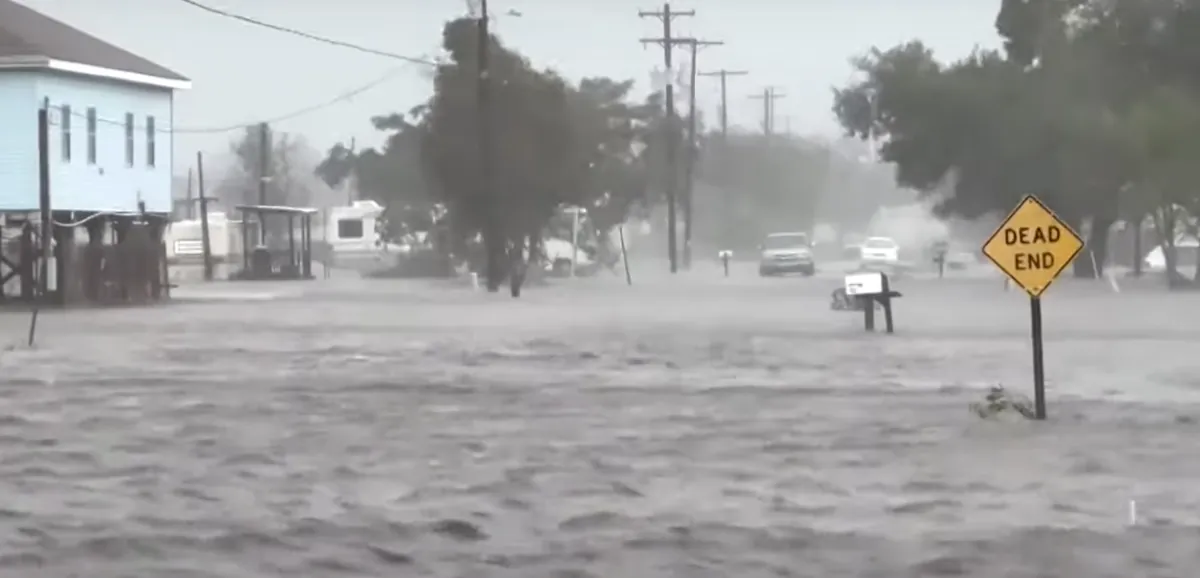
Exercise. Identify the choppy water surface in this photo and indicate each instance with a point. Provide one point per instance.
(730, 428)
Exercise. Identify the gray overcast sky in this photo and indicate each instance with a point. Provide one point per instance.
(243, 74)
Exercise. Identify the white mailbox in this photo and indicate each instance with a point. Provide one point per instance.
(870, 283)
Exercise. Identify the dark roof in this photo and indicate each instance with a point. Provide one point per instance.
(26, 32)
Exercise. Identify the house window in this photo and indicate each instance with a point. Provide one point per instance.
(129, 139)
(66, 133)
(91, 136)
(150, 141)
(350, 228)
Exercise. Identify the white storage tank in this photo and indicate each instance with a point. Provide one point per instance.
(185, 246)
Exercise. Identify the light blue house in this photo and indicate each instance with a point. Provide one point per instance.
(111, 114)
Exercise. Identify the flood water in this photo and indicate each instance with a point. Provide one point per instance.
(699, 427)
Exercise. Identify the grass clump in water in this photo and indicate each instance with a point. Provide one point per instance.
(999, 402)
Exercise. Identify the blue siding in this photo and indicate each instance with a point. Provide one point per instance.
(18, 141)
(110, 184)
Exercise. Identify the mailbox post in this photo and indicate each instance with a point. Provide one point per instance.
(940, 249)
(870, 289)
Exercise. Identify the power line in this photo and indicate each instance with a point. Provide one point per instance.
(310, 36)
(61, 107)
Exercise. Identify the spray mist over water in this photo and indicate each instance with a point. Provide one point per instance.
(915, 228)
(912, 226)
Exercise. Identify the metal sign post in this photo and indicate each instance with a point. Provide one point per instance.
(1033, 247)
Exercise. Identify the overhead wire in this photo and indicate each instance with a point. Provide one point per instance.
(283, 117)
(141, 127)
(308, 35)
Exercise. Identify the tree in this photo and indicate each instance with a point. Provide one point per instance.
(540, 165)
(289, 166)
(991, 128)
(1083, 107)
(553, 144)
(965, 124)
(616, 133)
(391, 175)
(1163, 134)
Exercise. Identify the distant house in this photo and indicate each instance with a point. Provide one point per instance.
(111, 114)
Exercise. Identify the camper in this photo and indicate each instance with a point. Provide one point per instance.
(353, 240)
(185, 246)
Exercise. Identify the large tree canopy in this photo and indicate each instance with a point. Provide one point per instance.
(1089, 105)
(552, 144)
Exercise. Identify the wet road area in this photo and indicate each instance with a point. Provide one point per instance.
(692, 427)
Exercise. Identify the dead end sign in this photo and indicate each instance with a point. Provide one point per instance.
(1033, 246)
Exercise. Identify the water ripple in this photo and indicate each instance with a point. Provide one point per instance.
(750, 439)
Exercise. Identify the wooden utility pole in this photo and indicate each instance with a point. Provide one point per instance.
(724, 75)
(688, 175)
(769, 96)
(351, 180)
(188, 209)
(44, 207)
(264, 175)
(668, 43)
(47, 218)
(205, 242)
(494, 245)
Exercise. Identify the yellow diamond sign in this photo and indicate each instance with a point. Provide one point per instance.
(1033, 246)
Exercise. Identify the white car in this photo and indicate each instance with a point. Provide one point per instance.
(1185, 255)
(879, 251)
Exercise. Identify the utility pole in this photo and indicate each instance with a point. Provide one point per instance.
(351, 181)
(724, 75)
(205, 240)
(769, 96)
(264, 175)
(688, 175)
(668, 43)
(494, 246)
(188, 212)
(45, 212)
(47, 228)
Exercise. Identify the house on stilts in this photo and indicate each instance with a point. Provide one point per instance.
(107, 154)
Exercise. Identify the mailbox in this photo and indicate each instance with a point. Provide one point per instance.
(869, 289)
(870, 283)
